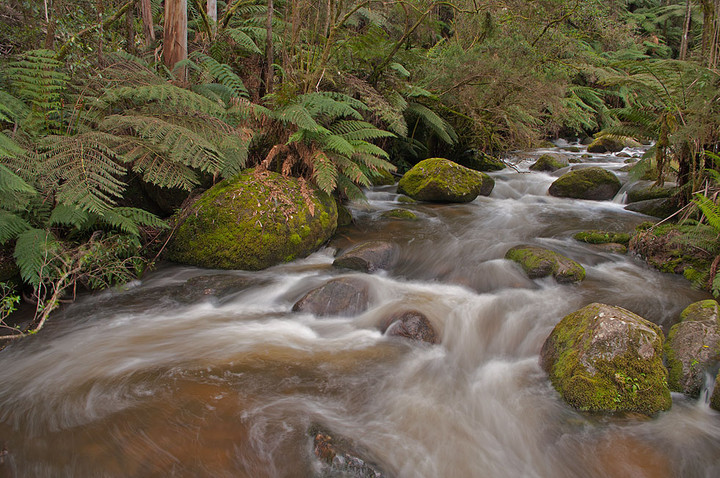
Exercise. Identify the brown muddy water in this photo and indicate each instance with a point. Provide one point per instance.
(160, 379)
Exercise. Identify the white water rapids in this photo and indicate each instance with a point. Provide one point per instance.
(149, 382)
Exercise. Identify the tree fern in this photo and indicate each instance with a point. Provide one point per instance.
(34, 251)
(11, 226)
(222, 73)
(710, 209)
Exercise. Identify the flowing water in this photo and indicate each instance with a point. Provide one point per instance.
(160, 380)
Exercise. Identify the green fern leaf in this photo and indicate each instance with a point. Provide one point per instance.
(66, 215)
(435, 123)
(243, 40)
(11, 226)
(35, 250)
(325, 173)
(709, 209)
(10, 181)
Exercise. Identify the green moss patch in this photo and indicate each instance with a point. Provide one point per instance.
(399, 214)
(441, 180)
(538, 262)
(548, 162)
(593, 183)
(602, 237)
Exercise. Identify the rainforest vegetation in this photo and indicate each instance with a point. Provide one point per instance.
(113, 112)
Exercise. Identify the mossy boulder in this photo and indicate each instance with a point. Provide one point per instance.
(604, 358)
(251, 222)
(661, 208)
(549, 163)
(644, 192)
(368, 257)
(411, 325)
(602, 237)
(441, 180)
(406, 200)
(693, 347)
(607, 144)
(399, 214)
(593, 183)
(480, 161)
(382, 177)
(571, 149)
(538, 262)
(344, 216)
(346, 296)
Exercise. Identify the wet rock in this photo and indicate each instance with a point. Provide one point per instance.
(480, 161)
(644, 192)
(571, 149)
(345, 296)
(340, 456)
(693, 347)
(217, 286)
(545, 144)
(623, 155)
(607, 144)
(661, 208)
(605, 358)
(399, 214)
(715, 397)
(413, 325)
(406, 200)
(593, 183)
(602, 237)
(368, 257)
(344, 216)
(441, 180)
(538, 262)
(613, 247)
(549, 163)
(251, 222)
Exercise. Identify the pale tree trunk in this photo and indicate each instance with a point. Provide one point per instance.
(686, 32)
(175, 35)
(147, 20)
(269, 52)
(212, 14)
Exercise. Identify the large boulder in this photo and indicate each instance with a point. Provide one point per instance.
(661, 208)
(412, 325)
(251, 222)
(587, 183)
(549, 163)
(441, 180)
(608, 144)
(605, 358)
(644, 192)
(368, 257)
(346, 296)
(538, 262)
(693, 347)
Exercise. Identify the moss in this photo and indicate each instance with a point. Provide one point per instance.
(606, 144)
(480, 161)
(545, 144)
(382, 178)
(538, 262)
(602, 237)
(571, 149)
(252, 222)
(715, 397)
(650, 192)
(588, 183)
(701, 310)
(406, 200)
(441, 180)
(548, 162)
(399, 214)
(605, 379)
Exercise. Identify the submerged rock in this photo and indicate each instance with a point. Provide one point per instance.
(593, 183)
(413, 325)
(217, 286)
(606, 359)
(441, 180)
(341, 457)
(602, 237)
(538, 262)
(549, 163)
(693, 347)
(346, 296)
(368, 257)
(399, 214)
(607, 144)
(252, 222)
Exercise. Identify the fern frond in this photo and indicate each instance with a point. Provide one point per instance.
(299, 116)
(11, 226)
(9, 181)
(127, 219)
(166, 95)
(222, 73)
(709, 209)
(359, 130)
(67, 215)
(34, 251)
(243, 40)
(325, 172)
(435, 123)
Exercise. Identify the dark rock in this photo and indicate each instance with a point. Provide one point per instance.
(340, 456)
(368, 257)
(346, 296)
(412, 325)
(538, 262)
(661, 208)
(251, 222)
(344, 216)
(441, 180)
(571, 149)
(623, 155)
(593, 183)
(606, 359)
(693, 347)
(644, 192)
(549, 163)
(217, 286)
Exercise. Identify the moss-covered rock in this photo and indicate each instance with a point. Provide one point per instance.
(382, 177)
(549, 163)
(545, 144)
(693, 347)
(399, 214)
(606, 359)
(602, 237)
(587, 183)
(676, 248)
(661, 208)
(715, 397)
(441, 180)
(252, 222)
(406, 200)
(368, 257)
(538, 262)
(607, 144)
(571, 149)
(344, 216)
(644, 192)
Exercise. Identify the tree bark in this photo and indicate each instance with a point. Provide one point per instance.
(686, 32)
(269, 52)
(130, 29)
(147, 20)
(175, 35)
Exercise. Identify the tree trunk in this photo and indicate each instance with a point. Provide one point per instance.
(711, 32)
(686, 32)
(130, 30)
(175, 35)
(269, 52)
(147, 20)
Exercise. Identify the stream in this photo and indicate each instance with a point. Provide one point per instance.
(161, 379)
